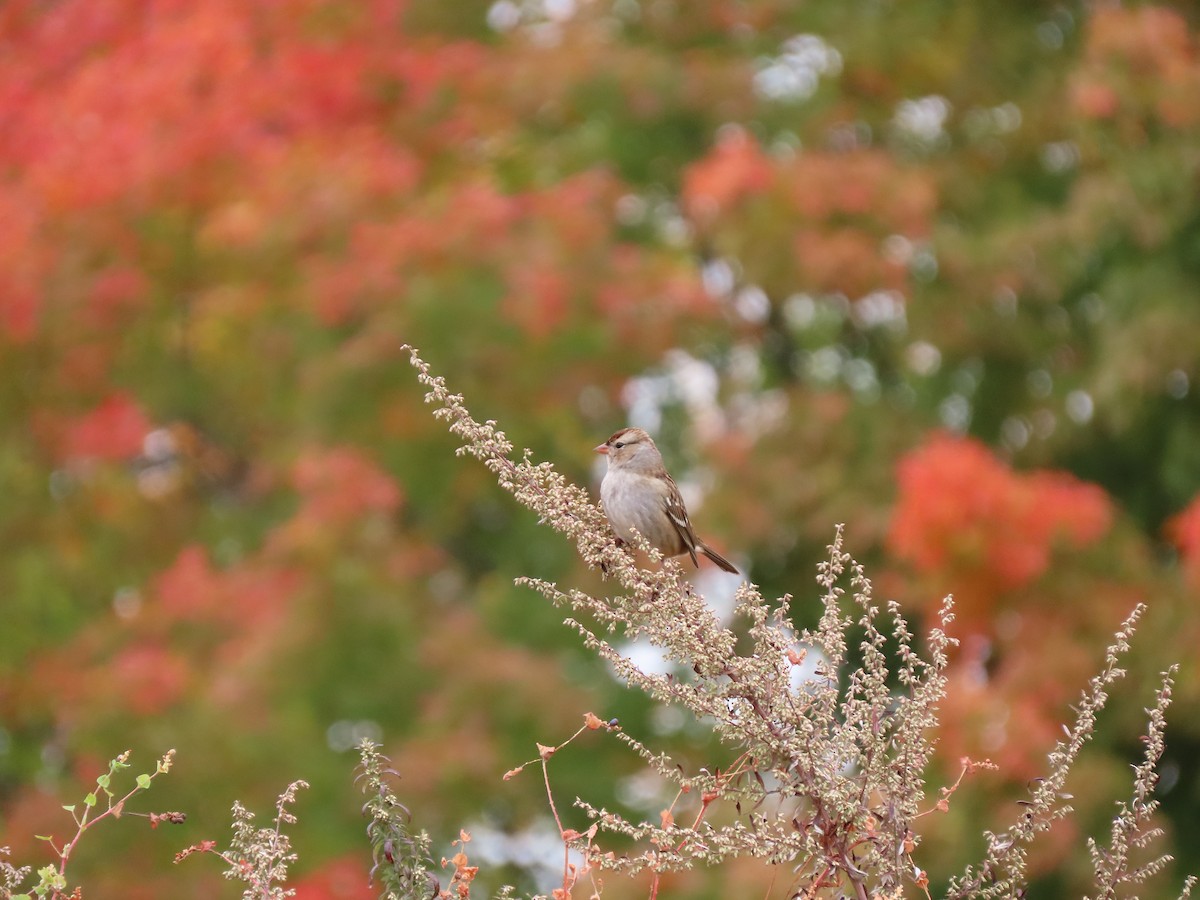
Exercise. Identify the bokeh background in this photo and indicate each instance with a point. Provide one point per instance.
(931, 270)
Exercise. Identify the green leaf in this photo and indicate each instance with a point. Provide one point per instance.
(103, 780)
(70, 808)
(143, 781)
(44, 837)
(90, 800)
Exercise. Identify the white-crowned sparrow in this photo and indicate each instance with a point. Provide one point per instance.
(638, 493)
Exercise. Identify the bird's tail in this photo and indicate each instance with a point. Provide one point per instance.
(718, 559)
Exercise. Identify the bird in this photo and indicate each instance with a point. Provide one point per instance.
(637, 492)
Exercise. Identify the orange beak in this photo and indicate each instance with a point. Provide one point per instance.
(603, 448)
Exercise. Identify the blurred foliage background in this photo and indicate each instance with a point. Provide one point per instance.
(928, 269)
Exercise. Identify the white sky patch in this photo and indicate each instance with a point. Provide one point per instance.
(923, 118)
(923, 358)
(880, 308)
(795, 72)
(683, 379)
(537, 848)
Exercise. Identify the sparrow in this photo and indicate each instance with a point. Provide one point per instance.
(637, 492)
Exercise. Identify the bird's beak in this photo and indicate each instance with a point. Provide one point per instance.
(603, 448)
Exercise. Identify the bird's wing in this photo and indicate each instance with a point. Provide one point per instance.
(677, 513)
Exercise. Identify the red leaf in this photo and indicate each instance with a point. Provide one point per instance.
(1183, 530)
(963, 513)
(337, 879)
(113, 430)
(735, 168)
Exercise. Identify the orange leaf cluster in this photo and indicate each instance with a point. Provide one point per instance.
(343, 494)
(1184, 531)
(119, 110)
(195, 632)
(1140, 62)
(112, 431)
(972, 521)
(832, 210)
(340, 878)
(734, 169)
(341, 484)
(865, 183)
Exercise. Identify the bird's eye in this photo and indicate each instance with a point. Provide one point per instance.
(619, 444)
